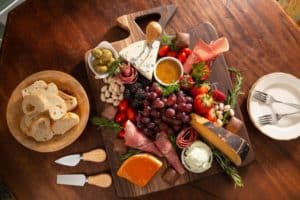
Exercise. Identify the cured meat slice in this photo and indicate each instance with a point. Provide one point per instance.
(186, 137)
(135, 139)
(206, 52)
(165, 147)
(231, 145)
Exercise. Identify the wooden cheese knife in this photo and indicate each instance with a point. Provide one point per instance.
(96, 155)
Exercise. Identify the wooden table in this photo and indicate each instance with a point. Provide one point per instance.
(55, 34)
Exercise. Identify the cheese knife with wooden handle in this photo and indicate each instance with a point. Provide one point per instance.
(96, 155)
(101, 180)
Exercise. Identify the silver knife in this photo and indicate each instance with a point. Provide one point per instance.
(96, 155)
(100, 180)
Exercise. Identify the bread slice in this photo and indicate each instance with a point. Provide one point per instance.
(40, 87)
(64, 124)
(35, 88)
(40, 129)
(70, 101)
(34, 104)
(23, 126)
(56, 106)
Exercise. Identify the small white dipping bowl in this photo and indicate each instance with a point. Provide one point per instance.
(163, 59)
(102, 45)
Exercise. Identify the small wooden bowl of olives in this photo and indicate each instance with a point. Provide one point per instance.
(100, 59)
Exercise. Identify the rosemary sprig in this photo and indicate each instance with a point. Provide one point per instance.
(234, 93)
(228, 168)
(170, 89)
(129, 153)
(113, 67)
(103, 122)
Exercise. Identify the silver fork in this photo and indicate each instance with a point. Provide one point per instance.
(273, 118)
(268, 99)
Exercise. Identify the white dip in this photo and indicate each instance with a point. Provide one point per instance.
(197, 158)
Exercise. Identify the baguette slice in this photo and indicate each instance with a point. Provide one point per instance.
(34, 104)
(56, 106)
(40, 87)
(70, 101)
(64, 124)
(40, 129)
(24, 127)
(35, 88)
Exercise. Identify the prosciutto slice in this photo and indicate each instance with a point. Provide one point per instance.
(135, 139)
(165, 147)
(205, 52)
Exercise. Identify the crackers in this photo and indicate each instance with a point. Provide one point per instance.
(47, 111)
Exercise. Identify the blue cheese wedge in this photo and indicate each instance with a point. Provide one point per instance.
(141, 56)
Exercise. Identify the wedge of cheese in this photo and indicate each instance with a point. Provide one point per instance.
(231, 145)
(141, 56)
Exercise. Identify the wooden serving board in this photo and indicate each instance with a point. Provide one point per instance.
(220, 74)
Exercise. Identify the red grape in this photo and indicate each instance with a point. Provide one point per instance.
(157, 103)
(181, 107)
(145, 120)
(153, 95)
(170, 112)
(171, 100)
(188, 108)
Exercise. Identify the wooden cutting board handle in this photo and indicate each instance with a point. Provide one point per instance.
(96, 155)
(128, 23)
(100, 180)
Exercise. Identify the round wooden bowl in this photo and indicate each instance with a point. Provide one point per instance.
(64, 82)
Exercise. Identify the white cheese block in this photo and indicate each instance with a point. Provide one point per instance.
(142, 57)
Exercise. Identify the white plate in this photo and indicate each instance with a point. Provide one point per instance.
(105, 45)
(284, 87)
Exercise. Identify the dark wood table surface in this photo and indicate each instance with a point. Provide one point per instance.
(50, 34)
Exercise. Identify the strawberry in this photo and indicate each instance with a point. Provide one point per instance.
(186, 82)
(202, 89)
(120, 117)
(123, 105)
(187, 51)
(121, 134)
(218, 95)
(131, 114)
(181, 56)
(211, 115)
(202, 103)
(201, 71)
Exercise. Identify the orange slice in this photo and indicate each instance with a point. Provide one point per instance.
(139, 169)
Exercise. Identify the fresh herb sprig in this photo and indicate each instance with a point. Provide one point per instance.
(172, 139)
(113, 67)
(129, 153)
(234, 93)
(171, 89)
(236, 90)
(228, 168)
(103, 122)
(166, 40)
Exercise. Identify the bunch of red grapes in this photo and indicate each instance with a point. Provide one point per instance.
(164, 113)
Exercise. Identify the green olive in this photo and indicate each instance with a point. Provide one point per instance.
(97, 53)
(96, 62)
(101, 68)
(111, 61)
(106, 56)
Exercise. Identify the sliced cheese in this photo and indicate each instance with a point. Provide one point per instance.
(231, 145)
(142, 57)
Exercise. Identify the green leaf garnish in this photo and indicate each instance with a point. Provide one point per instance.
(113, 67)
(129, 153)
(228, 168)
(170, 89)
(103, 122)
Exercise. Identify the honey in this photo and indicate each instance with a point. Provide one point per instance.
(168, 71)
